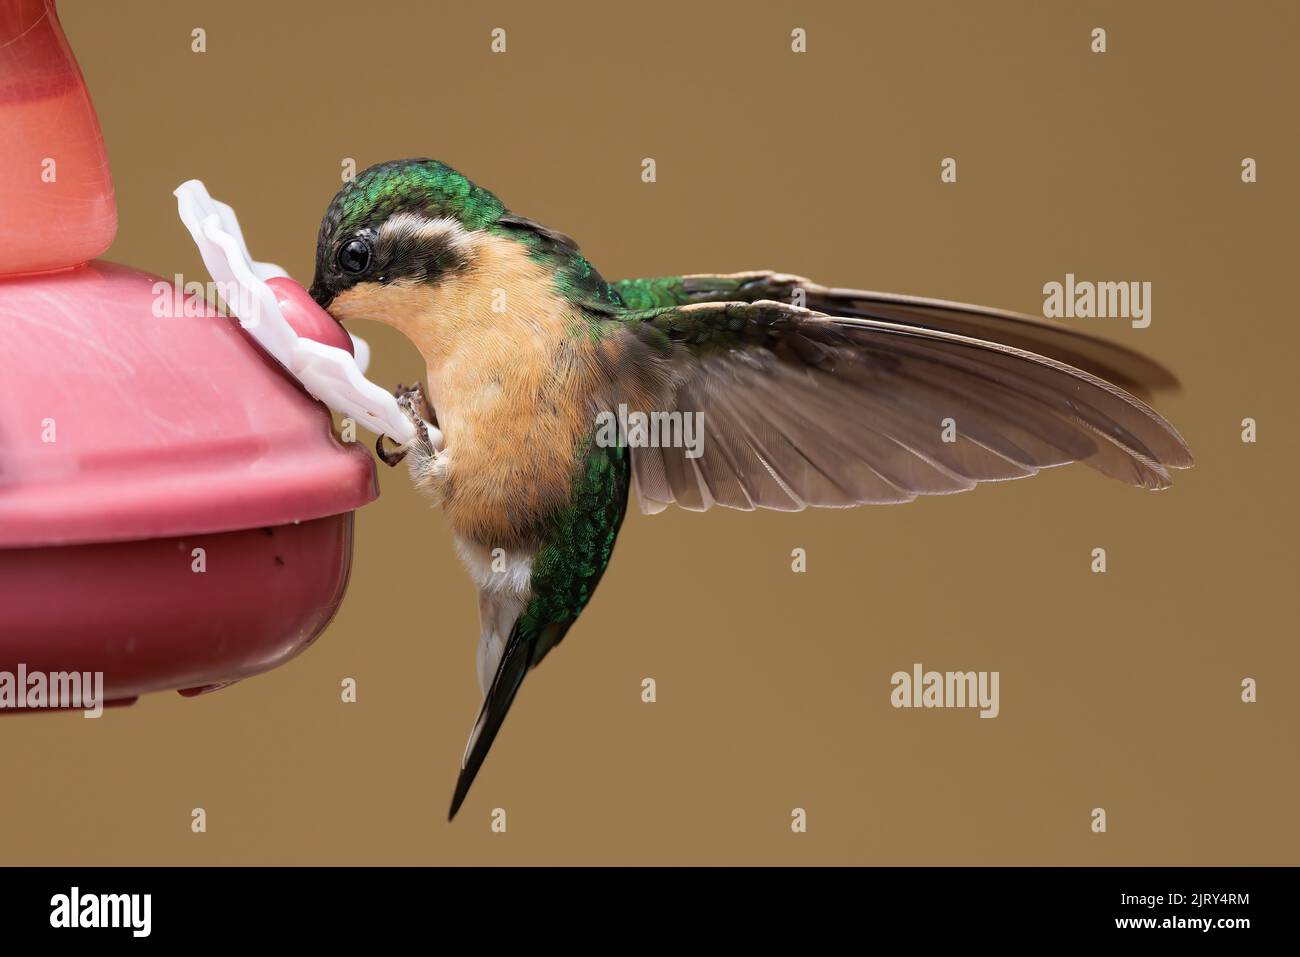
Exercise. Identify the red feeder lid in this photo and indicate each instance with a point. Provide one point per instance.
(129, 411)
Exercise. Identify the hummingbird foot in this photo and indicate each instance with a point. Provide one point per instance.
(429, 468)
(411, 400)
(426, 459)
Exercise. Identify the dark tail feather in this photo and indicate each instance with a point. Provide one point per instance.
(505, 685)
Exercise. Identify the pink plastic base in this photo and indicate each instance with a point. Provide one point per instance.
(265, 595)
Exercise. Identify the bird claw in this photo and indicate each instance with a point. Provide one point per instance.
(411, 400)
(389, 458)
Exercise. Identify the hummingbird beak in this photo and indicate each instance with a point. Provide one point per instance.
(322, 295)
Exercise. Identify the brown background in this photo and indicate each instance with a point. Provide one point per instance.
(1120, 691)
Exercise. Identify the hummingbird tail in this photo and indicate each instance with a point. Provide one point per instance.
(515, 661)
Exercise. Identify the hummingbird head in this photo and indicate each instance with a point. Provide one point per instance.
(395, 229)
(417, 246)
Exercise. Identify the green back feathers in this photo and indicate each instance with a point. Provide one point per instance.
(652, 293)
(576, 279)
(711, 328)
(658, 292)
(578, 548)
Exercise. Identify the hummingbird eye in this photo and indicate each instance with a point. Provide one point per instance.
(354, 256)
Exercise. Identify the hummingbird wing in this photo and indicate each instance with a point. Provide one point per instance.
(801, 408)
(565, 572)
(1124, 367)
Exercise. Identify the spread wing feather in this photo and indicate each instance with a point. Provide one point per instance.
(1126, 368)
(800, 408)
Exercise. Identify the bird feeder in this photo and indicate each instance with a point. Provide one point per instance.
(175, 508)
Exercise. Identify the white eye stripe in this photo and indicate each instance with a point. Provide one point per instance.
(412, 227)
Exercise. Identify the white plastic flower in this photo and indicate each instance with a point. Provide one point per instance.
(332, 375)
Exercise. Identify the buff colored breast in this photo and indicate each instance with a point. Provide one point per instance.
(512, 385)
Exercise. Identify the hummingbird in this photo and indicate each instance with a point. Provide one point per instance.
(808, 395)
